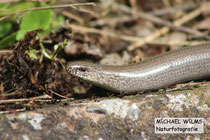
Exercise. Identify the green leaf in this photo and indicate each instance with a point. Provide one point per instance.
(34, 20)
(7, 41)
(45, 53)
(5, 28)
(32, 54)
(15, 7)
(4, 5)
(58, 21)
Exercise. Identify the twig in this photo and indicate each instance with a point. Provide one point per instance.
(134, 8)
(6, 51)
(56, 7)
(158, 20)
(171, 10)
(177, 43)
(155, 20)
(121, 19)
(4, 17)
(7, 1)
(131, 38)
(72, 16)
(187, 85)
(126, 9)
(103, 32)
(171, 25)
(5, 94)
(166, 3)
(61, 6)
(166, 29)
(59, 95)
(14, 110)
(25, 99)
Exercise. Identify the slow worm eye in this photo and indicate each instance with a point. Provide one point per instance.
(82, 69)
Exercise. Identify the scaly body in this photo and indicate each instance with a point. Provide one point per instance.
(186, 64)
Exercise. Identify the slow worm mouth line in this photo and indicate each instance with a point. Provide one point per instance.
(185, 64)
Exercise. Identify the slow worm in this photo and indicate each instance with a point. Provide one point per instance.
(185, 64)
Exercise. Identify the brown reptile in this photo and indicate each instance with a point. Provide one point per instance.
(185, 64)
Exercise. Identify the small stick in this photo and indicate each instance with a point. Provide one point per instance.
(166, 29)
(74, 6)
(14, 110)
(73, 16)
(6, 51)
(171, 10)
(131, 38)
(61, 6)
(7, 1)
(171, 25)
(25, 99)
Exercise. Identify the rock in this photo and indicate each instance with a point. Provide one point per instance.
(130, 117)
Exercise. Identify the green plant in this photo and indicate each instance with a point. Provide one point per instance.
(24, 16)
